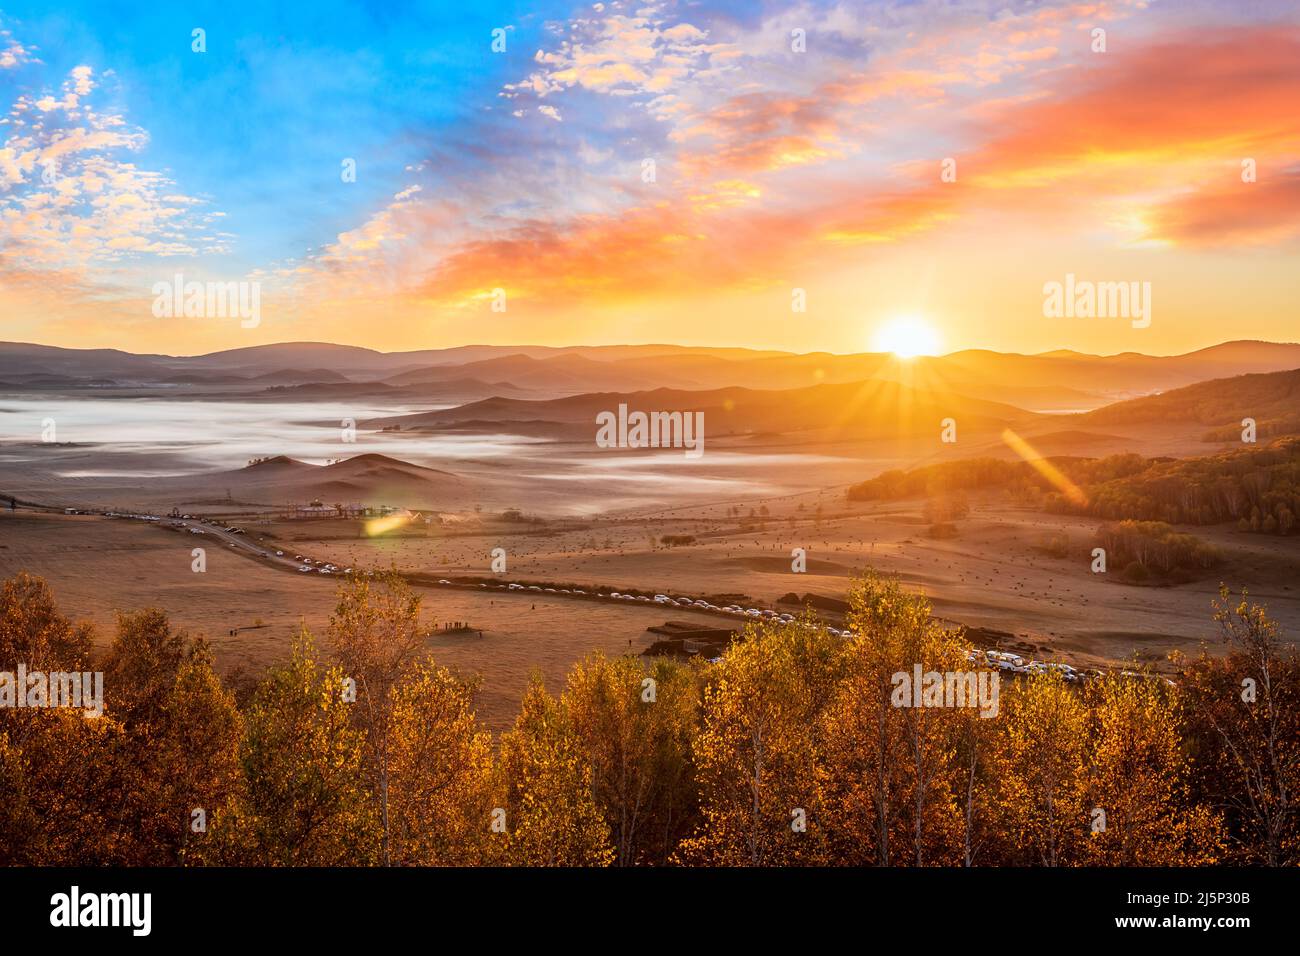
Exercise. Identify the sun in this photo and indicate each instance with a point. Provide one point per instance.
(907, 337)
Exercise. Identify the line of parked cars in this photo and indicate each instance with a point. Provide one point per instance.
(1002, 660)
(1015, 664)
(307, 565)
(665, 600)
(110, 514)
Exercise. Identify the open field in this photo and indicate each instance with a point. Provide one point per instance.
(97, 566)
(993, 575)
(523, 474)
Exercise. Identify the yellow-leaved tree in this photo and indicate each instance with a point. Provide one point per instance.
(755, 754)
(377, 637)
(887, 769)
(1042, 811)
(634, 721)
(1243, 725)
(548, 813)
(302, 798)
(440, 765)
(1137, 775)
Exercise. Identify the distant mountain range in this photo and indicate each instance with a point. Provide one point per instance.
(1050, 381)
(864, 409)
(1271, 400)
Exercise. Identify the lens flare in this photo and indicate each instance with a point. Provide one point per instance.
(378, 526)
(1044, 467)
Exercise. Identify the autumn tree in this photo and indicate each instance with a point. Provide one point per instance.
(440, 772)
(756, 751)
(141, 665)
(1137, 777)
(973, 780)
(634, 722)
(1042, 811)
(34, 633)
(302, 798)
(64, 778)
(887, 769)
(67, 787)
(195, 757)
(1243, 721)
(551, 817)
(377, 636)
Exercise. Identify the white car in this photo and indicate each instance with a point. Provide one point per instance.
(279, 554)
(443, 581)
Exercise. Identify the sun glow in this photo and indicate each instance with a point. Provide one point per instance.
(376, 527)
(907, 338)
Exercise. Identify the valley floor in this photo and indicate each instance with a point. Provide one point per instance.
(993, 575)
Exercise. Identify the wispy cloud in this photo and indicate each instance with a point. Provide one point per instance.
(637, 153)
(12, 53)
(72, 198)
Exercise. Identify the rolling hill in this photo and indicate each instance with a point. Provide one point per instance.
(879, 408)
(1265, 397)
(1058, 380)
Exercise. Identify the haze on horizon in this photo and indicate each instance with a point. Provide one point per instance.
(776, 172)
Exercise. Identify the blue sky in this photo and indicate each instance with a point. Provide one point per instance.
(650, 170)
(263, 119)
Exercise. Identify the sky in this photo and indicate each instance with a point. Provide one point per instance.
(809, 176)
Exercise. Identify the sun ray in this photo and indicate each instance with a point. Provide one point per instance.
(1044, 467)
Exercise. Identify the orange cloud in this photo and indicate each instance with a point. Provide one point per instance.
(674, 249)
(1243, 213)
(1235, 95)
